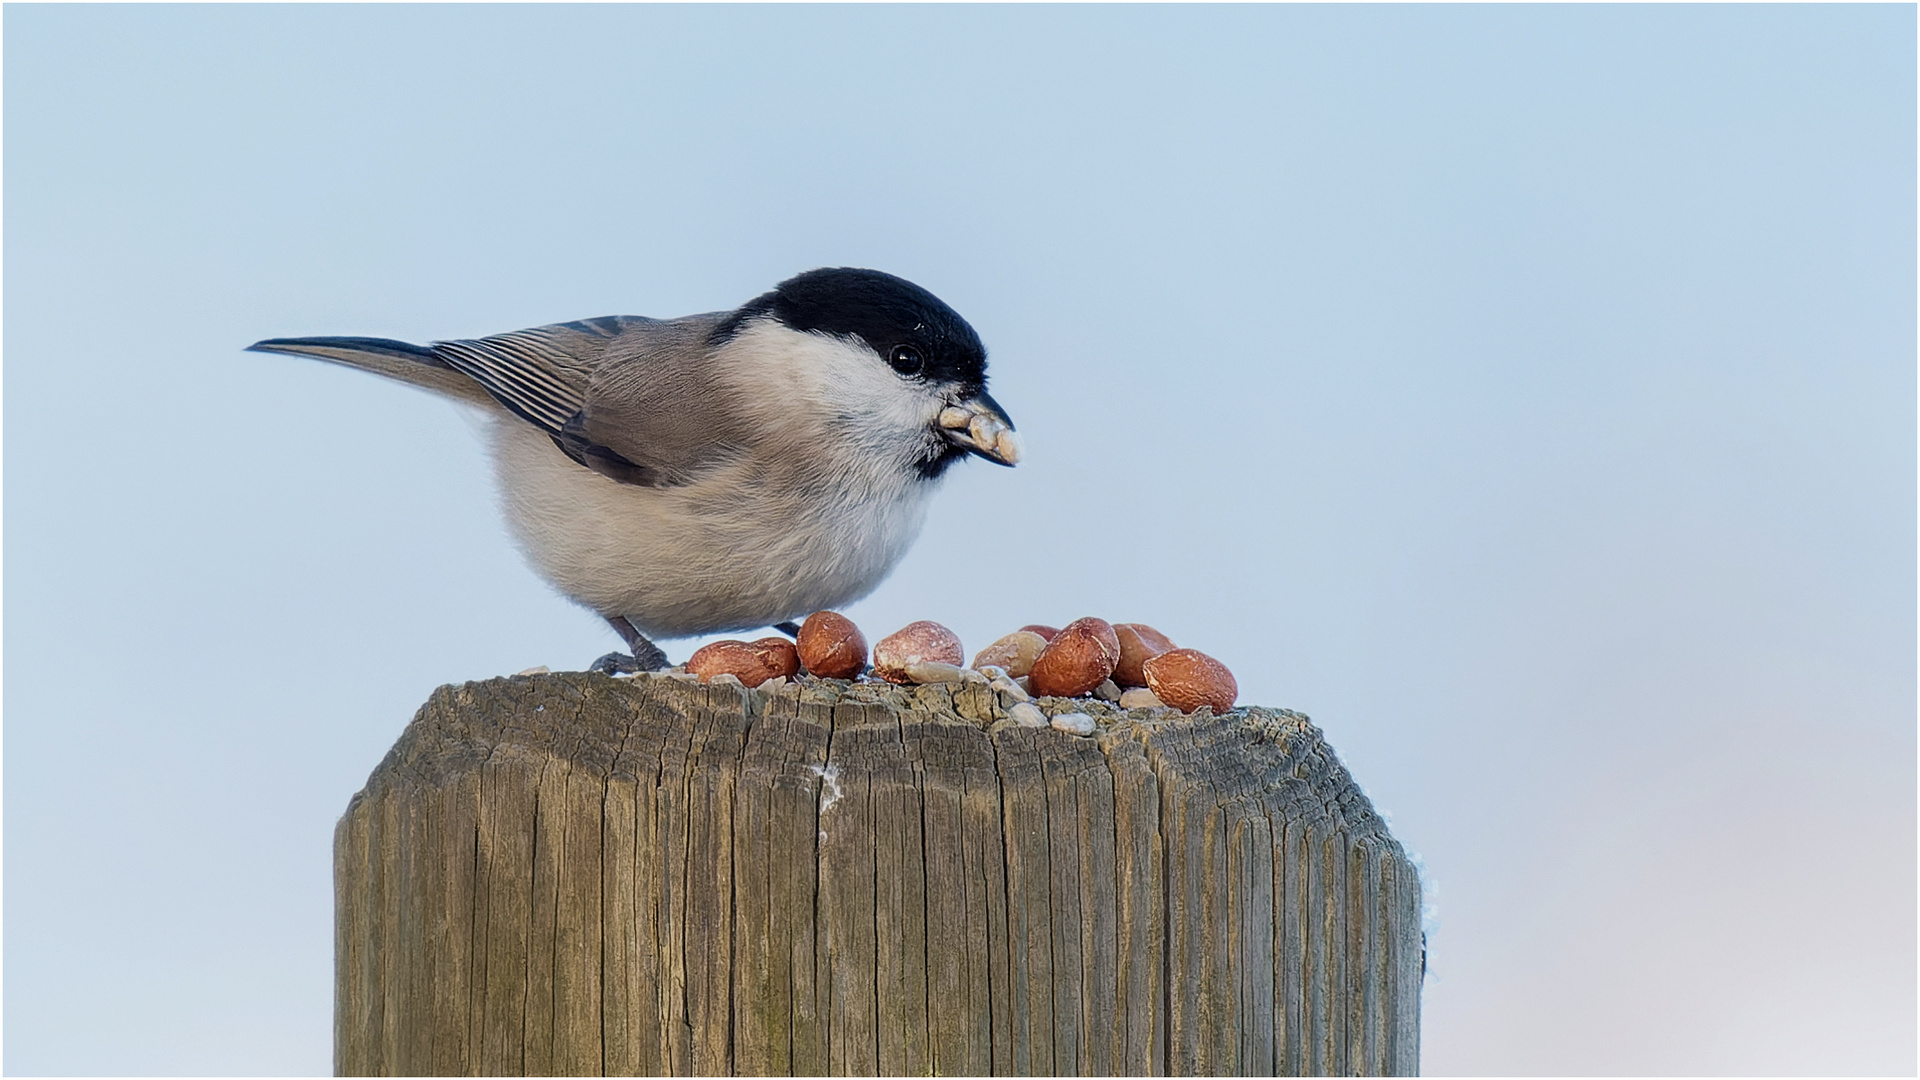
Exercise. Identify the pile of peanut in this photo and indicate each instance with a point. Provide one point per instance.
(1130, 664)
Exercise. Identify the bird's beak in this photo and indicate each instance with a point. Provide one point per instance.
(981, 426)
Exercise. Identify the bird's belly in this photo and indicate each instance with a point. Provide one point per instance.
(724, 553)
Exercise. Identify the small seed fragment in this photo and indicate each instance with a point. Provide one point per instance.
(1027, 714)
(1075, 723)
(933, 671)
(1016, 653)
(1008, 445)
(983, 430)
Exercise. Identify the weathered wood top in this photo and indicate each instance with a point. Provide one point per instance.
(601, 724)
(575, 873)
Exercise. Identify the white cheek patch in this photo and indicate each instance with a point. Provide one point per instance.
(827, 387)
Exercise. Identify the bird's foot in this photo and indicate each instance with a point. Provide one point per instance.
(646, 655)
(615, 663)
(619, 663)
(791, 629)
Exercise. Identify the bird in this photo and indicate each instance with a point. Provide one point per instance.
(718, 472)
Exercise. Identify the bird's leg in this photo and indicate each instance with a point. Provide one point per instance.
(646, 655)
(791, 629)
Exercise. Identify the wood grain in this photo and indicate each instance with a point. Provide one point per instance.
(579, 875)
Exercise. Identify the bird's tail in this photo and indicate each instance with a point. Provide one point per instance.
(415, 365)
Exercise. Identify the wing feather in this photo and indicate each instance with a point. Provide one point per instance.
(547, 376)
(637, 383)
(522, 383)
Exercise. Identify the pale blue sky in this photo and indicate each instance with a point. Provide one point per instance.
(1525, 393)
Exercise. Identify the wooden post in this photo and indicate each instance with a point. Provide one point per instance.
(576, 874)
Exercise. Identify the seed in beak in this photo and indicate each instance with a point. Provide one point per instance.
(983, 429)
(951, 417)
(1007, 445)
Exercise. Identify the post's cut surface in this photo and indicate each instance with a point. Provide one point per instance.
(576, 874)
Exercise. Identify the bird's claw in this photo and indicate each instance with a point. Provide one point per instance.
(615, 663)
(648, 658)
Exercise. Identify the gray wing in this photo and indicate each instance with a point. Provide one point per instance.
(626, 396)
(630, 398)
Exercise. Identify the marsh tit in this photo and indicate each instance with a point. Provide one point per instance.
(717, 472)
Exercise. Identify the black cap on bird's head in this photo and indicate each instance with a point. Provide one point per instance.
(909, 327)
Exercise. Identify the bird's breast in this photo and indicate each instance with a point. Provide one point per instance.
(748, 544)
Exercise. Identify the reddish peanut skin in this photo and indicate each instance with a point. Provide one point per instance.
(831, 647)
(723, 658)
(1138, 643)
(913, 643)
(780, 656)
(1044, 631)
(751, 662)
(1188, 678)
(1079, 658)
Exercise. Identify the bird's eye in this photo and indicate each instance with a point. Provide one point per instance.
(906, 360)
